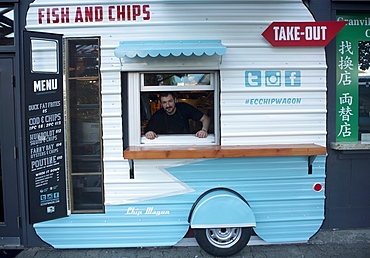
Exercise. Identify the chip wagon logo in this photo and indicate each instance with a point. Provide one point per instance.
(273, 78)
(148, 211)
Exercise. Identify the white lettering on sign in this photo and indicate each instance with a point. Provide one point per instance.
(356, 22)
(294, 33)
(43, 137)
(44, 162)
(45, 85)
(41, 151)
(367, 33)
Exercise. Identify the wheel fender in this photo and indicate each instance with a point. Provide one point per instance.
(221, 208)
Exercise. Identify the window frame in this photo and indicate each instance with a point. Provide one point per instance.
(150, 88)
(71, 173)
(136, 86)
(9, 16)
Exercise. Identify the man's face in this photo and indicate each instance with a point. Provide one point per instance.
(168, 104)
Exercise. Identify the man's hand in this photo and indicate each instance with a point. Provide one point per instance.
(151, 135)
(205, 120)
(201, 134)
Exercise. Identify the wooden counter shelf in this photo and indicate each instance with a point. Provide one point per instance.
(218, 151)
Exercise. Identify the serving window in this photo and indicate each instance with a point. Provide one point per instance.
(199, 89)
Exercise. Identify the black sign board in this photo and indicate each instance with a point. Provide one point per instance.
(44, 124)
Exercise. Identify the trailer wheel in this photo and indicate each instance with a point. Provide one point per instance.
(222, 241)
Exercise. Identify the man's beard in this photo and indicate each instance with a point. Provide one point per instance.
(170, 110)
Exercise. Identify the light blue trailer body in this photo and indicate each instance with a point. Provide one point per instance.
(278, 191)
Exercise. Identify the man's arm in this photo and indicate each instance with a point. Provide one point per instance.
(154, 125)
(203, 133)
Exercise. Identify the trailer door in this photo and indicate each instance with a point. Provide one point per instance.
(44, 126)
(9, 207)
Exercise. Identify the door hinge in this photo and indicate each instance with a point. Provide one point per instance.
(15, 152)
(19, 221)
(13, 81)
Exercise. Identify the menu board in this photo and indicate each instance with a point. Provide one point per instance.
(45, 153)
(45, 145)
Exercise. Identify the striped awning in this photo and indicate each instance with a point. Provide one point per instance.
(165, 48)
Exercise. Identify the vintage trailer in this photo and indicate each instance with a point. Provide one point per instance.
(260, 171)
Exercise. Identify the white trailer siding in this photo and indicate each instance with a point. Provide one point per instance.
(268, 114)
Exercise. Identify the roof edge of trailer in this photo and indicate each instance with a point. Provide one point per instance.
(164, 48)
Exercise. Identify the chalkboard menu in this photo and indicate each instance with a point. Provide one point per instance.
(44, 124)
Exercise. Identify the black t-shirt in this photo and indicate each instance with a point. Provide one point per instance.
(178, 123)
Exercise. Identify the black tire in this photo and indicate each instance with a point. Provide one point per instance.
(222, 241)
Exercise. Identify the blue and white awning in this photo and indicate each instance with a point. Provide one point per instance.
(165, 48)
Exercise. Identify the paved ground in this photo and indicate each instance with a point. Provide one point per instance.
(326, 243)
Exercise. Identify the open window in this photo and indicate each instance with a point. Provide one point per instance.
(197, 88)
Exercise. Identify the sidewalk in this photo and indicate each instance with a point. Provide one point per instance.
(326, 243)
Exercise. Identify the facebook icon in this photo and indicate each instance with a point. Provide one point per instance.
(292, 78)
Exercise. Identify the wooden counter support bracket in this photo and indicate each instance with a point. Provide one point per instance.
(218, 151)
(311, 159)
(131, 165)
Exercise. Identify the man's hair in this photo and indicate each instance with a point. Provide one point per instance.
(166, 93)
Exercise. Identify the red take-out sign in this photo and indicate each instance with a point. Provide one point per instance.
(302, 34)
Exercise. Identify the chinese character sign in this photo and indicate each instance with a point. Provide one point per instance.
(347, 69)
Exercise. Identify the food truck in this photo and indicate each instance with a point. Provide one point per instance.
(261, 170)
